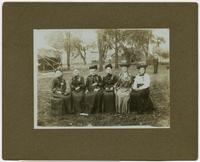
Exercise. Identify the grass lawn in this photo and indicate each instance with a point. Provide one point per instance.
(159, 92)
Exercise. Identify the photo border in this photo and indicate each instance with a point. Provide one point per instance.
(21, 141)
(91, 127)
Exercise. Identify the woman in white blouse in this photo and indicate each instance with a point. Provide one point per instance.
(140, 100)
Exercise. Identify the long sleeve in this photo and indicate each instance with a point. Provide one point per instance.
(64, 86)
(109, 81)
(87, 84)
(135, 83)
(117, 84)
(53, 85)
(115, 79)
(99, 82)
(82, 85)
(72, 85)
(104, 81)
(77, 82)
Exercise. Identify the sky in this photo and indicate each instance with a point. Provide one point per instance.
(88, 36)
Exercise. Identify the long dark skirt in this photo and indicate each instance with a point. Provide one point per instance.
(141, 102)
(93, 102)
(108, 102)
(61, 104)
(77, 102)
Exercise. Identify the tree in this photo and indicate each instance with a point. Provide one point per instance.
(158, 40)
(100, 48)
(138, 40)
(67, 47)
(112, 39)
(104, 45)
(116, 49)
(60, 40)
(81, 48)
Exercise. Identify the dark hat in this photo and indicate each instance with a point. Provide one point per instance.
(108, 65)
(141, 65)
(124, 63)
(93, 67)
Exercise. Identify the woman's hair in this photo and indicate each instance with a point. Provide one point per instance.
(143, 68)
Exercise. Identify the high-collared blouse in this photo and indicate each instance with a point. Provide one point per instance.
(77, 81)
(109, 81)
(91, 79)
(141, 81)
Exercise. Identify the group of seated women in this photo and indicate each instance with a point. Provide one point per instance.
(111, 94)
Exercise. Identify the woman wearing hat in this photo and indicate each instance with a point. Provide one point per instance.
(93, 94)
(109, 81)
(123, 87)
(140, 100)
(77, 87)
(61, 93)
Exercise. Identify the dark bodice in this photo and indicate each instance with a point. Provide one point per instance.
(58, 85)
(109, 81)
(77, 81)
(91, 79)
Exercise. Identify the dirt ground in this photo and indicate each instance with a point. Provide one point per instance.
(159, 92)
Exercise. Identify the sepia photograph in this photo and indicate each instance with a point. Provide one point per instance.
(101, 78)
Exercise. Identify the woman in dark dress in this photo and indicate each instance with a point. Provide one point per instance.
(123, 87)
(77, 87)
(60, 94)
(108, 94)
(140, 100)
(93, 94)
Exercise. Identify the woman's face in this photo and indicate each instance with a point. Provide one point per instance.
(92, 71)
(124, 69)
(76, 72)
(141, 70)
(108, 70)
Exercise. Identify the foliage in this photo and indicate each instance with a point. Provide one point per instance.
(72, 45)
(81, 48)
(133, 44)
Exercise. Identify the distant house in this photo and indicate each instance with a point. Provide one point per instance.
(93, 55)
(48, 59)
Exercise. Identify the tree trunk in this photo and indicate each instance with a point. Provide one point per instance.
(68, 61)
(100, 61)
(68, 52)
(116, 58)
(100, 52)
(67, 47)
(128, 57)
(84, 61)
(116, 52)
(147, 52)
(43, 67)
(84, 58)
